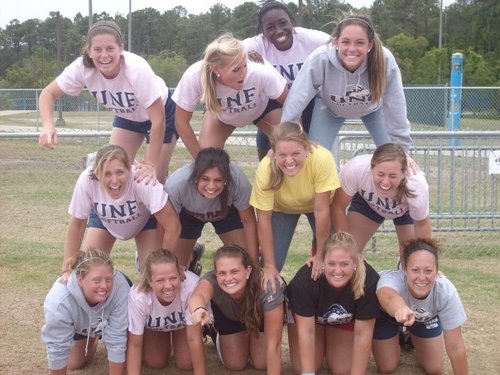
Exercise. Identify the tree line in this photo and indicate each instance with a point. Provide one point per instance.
(174, 39)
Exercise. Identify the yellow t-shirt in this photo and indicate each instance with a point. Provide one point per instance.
(296, 194)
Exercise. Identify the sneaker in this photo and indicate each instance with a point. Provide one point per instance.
(405, 339)
(210, 331)
(195, 264)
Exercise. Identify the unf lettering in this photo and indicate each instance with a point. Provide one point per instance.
(118, 99)
(242, 97)
(129, 208)
(289, 72)
(162, 321)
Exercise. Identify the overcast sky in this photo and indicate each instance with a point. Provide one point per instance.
(26, 9)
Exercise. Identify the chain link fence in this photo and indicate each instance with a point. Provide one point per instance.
(36, 185)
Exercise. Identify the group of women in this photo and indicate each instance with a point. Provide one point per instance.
(289, 81)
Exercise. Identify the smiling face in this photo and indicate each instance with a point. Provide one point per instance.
(232, 276)
(211, 183)
(105, 52)
(278, 29)
(165, 282)
(387, 176)
(421, 273)
(353, 46)
(339, 267)
(290, 157)
(97, 284)
(114, 177)
(233, 71)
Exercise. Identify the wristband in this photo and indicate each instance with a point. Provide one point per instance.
(199, 307)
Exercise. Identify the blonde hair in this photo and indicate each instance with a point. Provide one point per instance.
(285, 132)
(106, 154)
(224, 51)
(85, 260)
(159, 256)
(344, 241)
(100, 28)
(377, 75)
(394, 152)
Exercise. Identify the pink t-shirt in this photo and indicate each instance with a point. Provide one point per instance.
(356, 177)
(239, 108)
(128, 95)
(124, 217)
(145, 311)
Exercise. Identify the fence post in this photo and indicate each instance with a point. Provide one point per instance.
(457, 69)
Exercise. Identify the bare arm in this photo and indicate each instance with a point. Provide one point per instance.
(265, 234)
(338, 210)
(48, 134)
(273, 330)
(134, 354)
(74, 238)
(116, 368)
(322, 223)
(199, 301)
(249, 222)
(362, 345)
(196, 348)
(455, 347)
(168, 219)
(307, 340)
(395, 306)
(186, 132)
(423, 228)
(147, 170)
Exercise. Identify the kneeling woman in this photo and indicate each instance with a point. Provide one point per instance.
(428, 304)
(249, 320)
(335, 314)
(159, 317)
(91, 305)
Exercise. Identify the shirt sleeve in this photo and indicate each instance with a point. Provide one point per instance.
(261, 197)
(139, 308)
(300, 292)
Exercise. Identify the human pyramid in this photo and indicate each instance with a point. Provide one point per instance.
(297, 86)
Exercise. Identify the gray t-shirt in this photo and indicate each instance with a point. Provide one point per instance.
(443, 301)
(184, 194)
(231, 308)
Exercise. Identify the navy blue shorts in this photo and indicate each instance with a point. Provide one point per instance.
(192, 227)
(144, 127)
(386, 327)
(262, 139)
(358, 204)
(226, 326)
(95, 222)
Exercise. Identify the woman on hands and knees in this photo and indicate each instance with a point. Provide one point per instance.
(91, 305)
(334, 315)
(249, 320)
(159, 318)
(417, 297)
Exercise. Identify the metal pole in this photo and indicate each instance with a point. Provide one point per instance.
(129, 26)
(91, 14)
(456, 75)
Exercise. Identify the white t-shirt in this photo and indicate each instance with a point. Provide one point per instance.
(356, 177)
(145, 311)
(124, 217)
(443, 301)
(289, 62)
(239, 108)
(128, 95)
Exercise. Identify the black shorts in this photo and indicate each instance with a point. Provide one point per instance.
(192, 227)
(144, 127)
(95, 222)
(226, 326)
(272, 104)
(359, 205)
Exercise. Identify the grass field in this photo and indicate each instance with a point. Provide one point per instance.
(35, 189)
